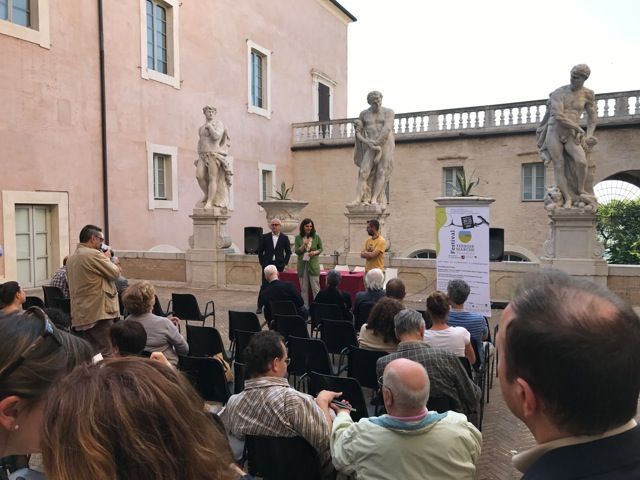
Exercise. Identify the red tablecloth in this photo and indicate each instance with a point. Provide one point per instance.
(351, 282)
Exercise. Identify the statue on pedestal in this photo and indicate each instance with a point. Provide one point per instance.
(373, 153)
(212, 166)
(564, 143)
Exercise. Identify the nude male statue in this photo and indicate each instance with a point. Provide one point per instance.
(374, 147)
(565, 143)
(212, 168)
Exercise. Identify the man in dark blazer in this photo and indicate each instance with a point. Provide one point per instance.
(277, 290)
(274, 249)
(569, 368)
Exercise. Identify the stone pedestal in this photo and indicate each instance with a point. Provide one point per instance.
(358, 214)
(572, 245)
(209, 245)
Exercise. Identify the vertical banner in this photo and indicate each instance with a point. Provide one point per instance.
(462, 247)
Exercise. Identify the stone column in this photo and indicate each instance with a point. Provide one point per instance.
(209, 245)
(358, 214)
(572, 245)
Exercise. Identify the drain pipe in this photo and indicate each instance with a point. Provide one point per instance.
(103, 127)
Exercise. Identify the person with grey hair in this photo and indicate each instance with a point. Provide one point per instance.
(570, 370)
(277, 290)
(448, 376)
(458, 291)
(422, 444)
(274, 249)
(374, 283)
(331, 295)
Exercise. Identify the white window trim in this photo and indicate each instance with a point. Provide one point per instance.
(266, 111)
(533, 190)
(444, 179)
(40, 17)
(316, 78)
(173, 45)
(272, 168)
(173, 153)
(59, 234)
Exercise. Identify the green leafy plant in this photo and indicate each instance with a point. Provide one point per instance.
(619, 230)
(284, 192)
(465, 186)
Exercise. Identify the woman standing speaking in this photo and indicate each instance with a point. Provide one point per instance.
(308, 246)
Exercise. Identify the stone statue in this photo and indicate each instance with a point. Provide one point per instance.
(212, 166)
(564, 143)
(373, 153)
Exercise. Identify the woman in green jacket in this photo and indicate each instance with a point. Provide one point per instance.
(308, 247)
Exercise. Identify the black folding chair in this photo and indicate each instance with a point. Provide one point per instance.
(466, 365)
(288, 325)
(205, 342)
(440, 404)
(307, 355)
(242, 340)
(33, 302)
(185, 306)
(238, 377)
(63, 304)
(362, 315)
(338, 336)
(50, 293)
(324, 310)
(427, 320)
(157, 309)
(207, 377)
(361, 365)
(350, 388)
(247, 321)
(275, 458)
(278, 307)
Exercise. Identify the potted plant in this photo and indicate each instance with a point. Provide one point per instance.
(282, 206)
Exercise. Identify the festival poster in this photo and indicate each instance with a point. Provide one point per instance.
(462, 247)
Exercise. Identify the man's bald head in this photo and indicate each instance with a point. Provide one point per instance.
(409, 384)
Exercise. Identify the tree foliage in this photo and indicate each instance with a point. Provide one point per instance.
(619, 230)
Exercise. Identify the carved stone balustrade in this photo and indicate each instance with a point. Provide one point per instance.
(616, 108)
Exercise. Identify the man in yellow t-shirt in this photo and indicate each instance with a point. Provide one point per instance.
(374, 247)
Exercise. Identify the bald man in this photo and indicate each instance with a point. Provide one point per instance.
(408, 442)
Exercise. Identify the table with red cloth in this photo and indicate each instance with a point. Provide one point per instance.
(351, 282)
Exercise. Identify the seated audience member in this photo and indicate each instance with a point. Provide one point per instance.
(395, 289)
(12, 297)
(456, 340)
(373, 282)
(131, 419)
(269, 406)
(59, 318)
(59, 278)
(448, 376)
(458, 292)
(34, 356)
(128, 338)
(569, 368)
(331, 295)
(277, 290)
(378, 333)
(409, 442)
(162, 334)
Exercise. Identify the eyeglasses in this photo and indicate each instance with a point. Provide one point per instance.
(275, 225)
(101, 237)
(382, 385)
(49, 331)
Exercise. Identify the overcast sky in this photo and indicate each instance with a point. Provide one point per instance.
(425, 55)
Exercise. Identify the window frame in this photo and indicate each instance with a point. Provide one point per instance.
(456, 184)
(37, 32)
(172, 77)
(265, 54)
(171, 183)
(318, 77)
(534, 166)
(266, 167)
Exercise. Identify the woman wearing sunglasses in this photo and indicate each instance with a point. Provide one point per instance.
(33, 356)
(12, 297)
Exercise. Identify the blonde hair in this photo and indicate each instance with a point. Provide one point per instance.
(131, 419)
(139, 298)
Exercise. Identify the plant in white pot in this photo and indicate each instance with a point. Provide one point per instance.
(285, 208)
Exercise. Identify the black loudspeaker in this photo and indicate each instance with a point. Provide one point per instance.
(252, 239)
(496, 244)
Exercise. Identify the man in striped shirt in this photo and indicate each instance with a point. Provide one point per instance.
(269, 406)
(458, 292)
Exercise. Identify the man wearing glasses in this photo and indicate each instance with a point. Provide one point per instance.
(94, 297)
(273, 249)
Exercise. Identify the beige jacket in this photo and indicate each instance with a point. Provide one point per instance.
(91, 286)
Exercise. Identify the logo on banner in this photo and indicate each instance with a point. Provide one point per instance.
(464, 236)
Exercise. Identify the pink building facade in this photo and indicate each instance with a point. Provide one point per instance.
(263, 65)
